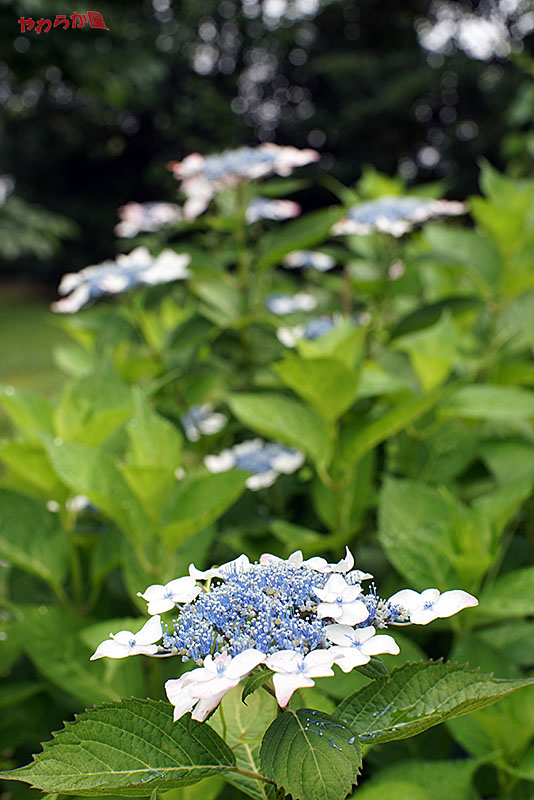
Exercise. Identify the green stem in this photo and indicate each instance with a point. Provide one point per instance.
(251, 774)
(243, 277)
(346, 300)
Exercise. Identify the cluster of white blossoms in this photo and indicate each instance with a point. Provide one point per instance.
(146, 218)
(203, 176)
(394, 215)
(297, 617)
(264, 460)
(137, 268)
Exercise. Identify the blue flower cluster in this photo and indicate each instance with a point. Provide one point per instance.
(270, 607)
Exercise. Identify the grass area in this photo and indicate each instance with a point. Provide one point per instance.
(28, 335)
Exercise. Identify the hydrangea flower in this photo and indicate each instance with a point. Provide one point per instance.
(309, 259)
(429, 605)
(311, 330)
(202, 420)
(281, 304)
(137, 268)
(163, 598)
(280, 613)
(265, 460)
(203, 176)
(263, 208)
(146, 217)
(126, 643)
(7, 184)
(395, 215)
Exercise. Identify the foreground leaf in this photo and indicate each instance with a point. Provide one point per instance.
(311, 756)
(418, 696)
(128, 749)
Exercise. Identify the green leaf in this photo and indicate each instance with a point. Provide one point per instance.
(419, 696)
(326, 384)
(32, 414)
(310, 756)
(375, 668)
(433, 351)
(256, 680)
(511, 596)
(304, 232)
(358, 439)
(430, 537)
(286, 420)
(56, 646)
(29, 470)
(445, 780)
(128, 749)
(342, 507)
(483, 401)
(473, 251)
(92, 472)
(31, 538)
(242, 727)
(198, 501)
(428, 315)
(509, 460)
(344, 343)
(92, 407)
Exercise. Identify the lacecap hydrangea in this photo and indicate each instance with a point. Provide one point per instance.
(296, 617)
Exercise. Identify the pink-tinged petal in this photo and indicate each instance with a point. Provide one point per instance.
(268, 558)
(318, 658)
(345, 564)
(179, 697)
(244, 663)
(347, 658)
(321, 670)
(216, 686)
(380, 644)
(205, 705)
(453, 601)
(284, 661)
(151, 631)
(353, 613)
(317, 563)
(285, 685)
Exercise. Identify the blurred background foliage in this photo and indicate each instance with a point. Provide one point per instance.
(90, 117)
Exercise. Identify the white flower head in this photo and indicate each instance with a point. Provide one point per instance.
(339, 601)
(281, 304)
(203, 688)
(137, 268)
(148, 217)
(263, 208)
(309, 259)
(265, 460)
(394, 215)
(429, 605)
(163, 598)
(356, 646)
(201, 420)
(126, 643)
(294, 671)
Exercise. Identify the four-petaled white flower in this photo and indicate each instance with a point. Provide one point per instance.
(163, 598)
(339, 601)
(357, 646)
(126, 643)
(430, 604)
(294, 671)
(239, 564)
(203, 688)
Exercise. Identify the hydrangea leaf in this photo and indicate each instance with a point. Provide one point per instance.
(327, 384)
(375, 668)
(32, 414)
(311, 756)
(243, 727)
(198, 501)
(445, 780)
(45, 555)
(510, 596)
(484, 401)
(129, 748)
(417, 696)
(255, 681)
(301, 234)
(286, 420)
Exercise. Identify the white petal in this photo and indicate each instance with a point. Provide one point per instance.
(406, 599)
(342, 635)
(347, 658)
(205, 705)
(285, 685)
(318, 564)
(221, 463)
(150, 632)
(422, 615)
(183, 590)
(329, 610)
(158, 603)
(244, 663)
(109, 648)
(380, 644)
(203, 575)
(262, 480)
(353, 613)
(284, 661)
(453, 601)
(287, 462)
(345, 564)
(216, 687)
